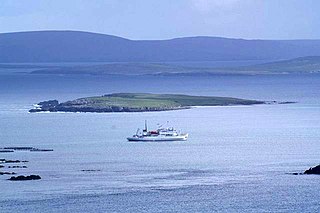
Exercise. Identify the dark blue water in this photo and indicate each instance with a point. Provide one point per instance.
(237, 159)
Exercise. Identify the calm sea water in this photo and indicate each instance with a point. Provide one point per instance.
(237, 159)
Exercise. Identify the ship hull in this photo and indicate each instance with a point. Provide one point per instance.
(158, 139)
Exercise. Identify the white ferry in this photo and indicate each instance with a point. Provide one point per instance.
(161, 134)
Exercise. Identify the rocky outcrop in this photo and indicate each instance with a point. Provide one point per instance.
(15, 161)
(40, 150)
(15, 167)
(6, 150)
(46, 106)
(287, 102)
(296, 173)
(12, 161)
(50, 103)
(21, 177)
(22, 148)
(7, 173)
(313, 170)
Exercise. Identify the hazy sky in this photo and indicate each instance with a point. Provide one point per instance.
(161, 19)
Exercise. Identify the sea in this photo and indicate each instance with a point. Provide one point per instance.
(237, 158)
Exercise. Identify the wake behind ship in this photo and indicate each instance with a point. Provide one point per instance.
(161, 134)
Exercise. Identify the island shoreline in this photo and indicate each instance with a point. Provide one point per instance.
(141, 102)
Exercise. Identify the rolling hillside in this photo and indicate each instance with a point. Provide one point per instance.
(75, 46)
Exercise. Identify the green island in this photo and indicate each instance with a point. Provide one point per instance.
(139, 102)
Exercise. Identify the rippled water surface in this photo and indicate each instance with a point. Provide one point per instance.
(237, 158)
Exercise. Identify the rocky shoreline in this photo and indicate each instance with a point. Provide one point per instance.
(22, 177)
(55, 106)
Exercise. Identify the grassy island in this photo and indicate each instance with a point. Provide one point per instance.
(138, 102)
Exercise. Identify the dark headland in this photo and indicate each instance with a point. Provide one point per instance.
(138, 102)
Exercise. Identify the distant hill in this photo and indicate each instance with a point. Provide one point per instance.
(309, 64)
(75, 46)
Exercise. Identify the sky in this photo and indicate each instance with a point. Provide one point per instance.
(165, 19)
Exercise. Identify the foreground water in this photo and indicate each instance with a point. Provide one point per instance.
(237, 158)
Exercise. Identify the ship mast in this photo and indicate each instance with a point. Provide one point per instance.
(145, 126)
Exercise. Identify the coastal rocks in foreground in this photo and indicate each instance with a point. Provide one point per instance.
(91, 170)
(7, 173)
(41, 150)
(288, 102)
(4, 161)
(21, 178)
(5, 151)
(13, 161)
(18, 148)
(138, 102)
(19, 164)
(17, 167)
(313, 170)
